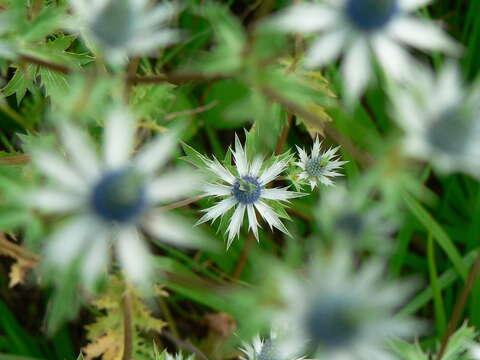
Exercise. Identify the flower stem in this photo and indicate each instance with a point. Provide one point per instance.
(242, 260)
(284, 135)
(460, 305)
(127, 326)
(181, 203)
(176, 78)
(46, 64)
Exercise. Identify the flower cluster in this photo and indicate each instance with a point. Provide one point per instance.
(247, 191)
(108, 181)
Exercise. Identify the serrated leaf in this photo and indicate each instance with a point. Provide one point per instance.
(105, 335)
(21, 81)
(193, 156)
(54, 83)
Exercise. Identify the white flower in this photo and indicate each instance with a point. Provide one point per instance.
(440, 120)
(319, 166)
(363, 30)
(110, 199)
(125, 27)
(265, 349)
(246, 189)
(352, 218)
(341, 311)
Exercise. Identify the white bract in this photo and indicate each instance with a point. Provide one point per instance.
(246, 190)
(474, 352)
(341, 311)
(125, 27)
(110, 199)
(265, 349)
(440, 120)
(364, 30)
(319, 166)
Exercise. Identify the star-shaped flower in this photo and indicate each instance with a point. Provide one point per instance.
(120, 28)
(110, 199)
(364, 30)
(246, 190)
(319, 166)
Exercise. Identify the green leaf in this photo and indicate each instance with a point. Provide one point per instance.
(44, 24)
(21, 81)
(439, 234)
(444, 281)
(55, 84)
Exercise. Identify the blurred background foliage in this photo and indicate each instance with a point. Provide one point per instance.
(225, 76)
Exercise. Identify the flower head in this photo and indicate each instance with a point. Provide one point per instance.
(333, 313)
(246, 190)
(440, 120)
(265, 349)
(363, 30)
(125, 27)
(319, 166)
(353, 219)
(110, 198)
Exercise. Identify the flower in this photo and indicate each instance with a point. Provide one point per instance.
(165, 355)
(246, 190)
(264, 349)
(341, 311)
(363, 30)
(440, 120)
(125, 27)
(319, 167)
(351, 218)
(110, 199)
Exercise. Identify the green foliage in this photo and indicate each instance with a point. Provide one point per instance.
(228, 75)
(457, 348)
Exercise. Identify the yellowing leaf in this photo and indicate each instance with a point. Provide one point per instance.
(109, 346)
(18, 272)
(315, 80)
(105, 335)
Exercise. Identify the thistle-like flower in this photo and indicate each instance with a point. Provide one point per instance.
(125, 27)
(165, 355)
(265, 349)
(440, 120)
(351, 218)
(343, 312)
(246, 190)
(319, 166)
(364, 29)
(109, 200)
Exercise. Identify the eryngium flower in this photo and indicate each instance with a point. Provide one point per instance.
(246, 190)
(354, 219)
(364, 29)
(265, 349)
(125, 27)
(110, 199)
(319, 166)
(342, 311)
(440, 120)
